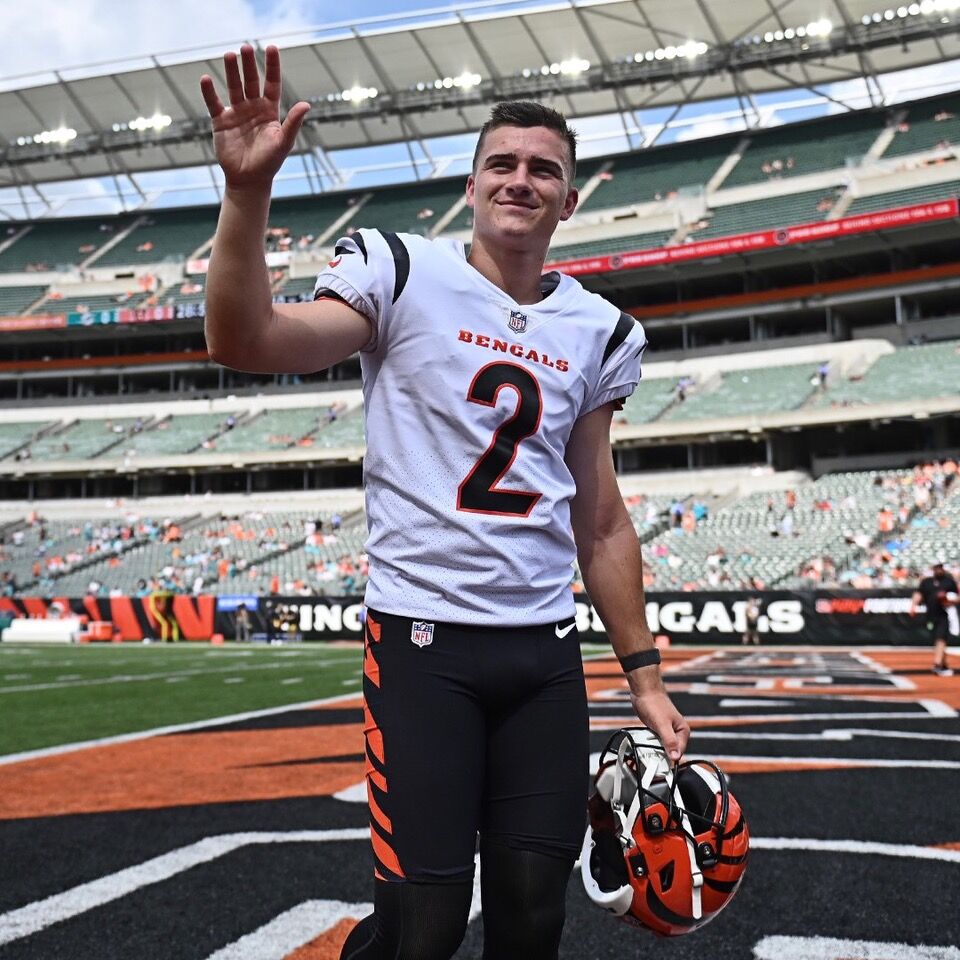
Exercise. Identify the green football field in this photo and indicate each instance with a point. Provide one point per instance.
(50, 696)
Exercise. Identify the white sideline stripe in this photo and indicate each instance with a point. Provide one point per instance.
(355, 794)
(729, 702)
(628, 720)
(62, 906)
(291, 930)
(838, 734)
(141, 677)
(174, 728)
(855, 846)
(938, 708)
(790, 761)
(824, 948)
(842, 761)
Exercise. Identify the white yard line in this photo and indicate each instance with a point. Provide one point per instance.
(814, 761)
(823, 735)
(174, 728)
(291, 930)
(41, 914)
(65, 684)
(87, 896)
(827, 948)
(907, 850)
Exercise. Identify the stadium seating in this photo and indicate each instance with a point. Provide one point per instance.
(14, 300)
(749, 391)
(87, 304)
(910, 373)
(658, 173)
(190, 292)
(300, 288)
(164, 235)
(759, 546)
(927, 126)
(59, 244)
(409, 209)
(271, 430)
(180, 434)
(648, 402)
(14, 435)
(794, 150)
(345, 431)
(84, 439)
(308, 216)
(765, 214)
(903, 198)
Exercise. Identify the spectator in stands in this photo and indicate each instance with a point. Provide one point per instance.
(676, 514)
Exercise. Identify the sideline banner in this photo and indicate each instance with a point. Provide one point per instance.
(847, 617)
(783, 236)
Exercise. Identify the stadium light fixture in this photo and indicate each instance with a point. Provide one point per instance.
(159, 121)
(60, 135)
(574, 67)
(357, 94)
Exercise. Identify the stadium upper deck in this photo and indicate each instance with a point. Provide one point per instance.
(817, 171)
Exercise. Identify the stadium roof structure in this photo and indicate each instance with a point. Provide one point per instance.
(412, 78)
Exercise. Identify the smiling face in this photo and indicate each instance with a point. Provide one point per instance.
(521, 187)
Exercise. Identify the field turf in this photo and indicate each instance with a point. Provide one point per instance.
(53, 696)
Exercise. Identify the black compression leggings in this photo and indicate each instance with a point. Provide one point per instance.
(523, 912)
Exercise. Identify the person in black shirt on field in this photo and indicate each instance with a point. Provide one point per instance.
(938, 593)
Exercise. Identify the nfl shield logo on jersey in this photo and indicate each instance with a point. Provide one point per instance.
(518, 321)
(422, 633)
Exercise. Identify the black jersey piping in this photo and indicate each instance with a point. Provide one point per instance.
(357, 238)
(620, 333)
(401, 261)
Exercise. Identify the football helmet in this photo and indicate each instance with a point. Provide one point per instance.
(666, 845)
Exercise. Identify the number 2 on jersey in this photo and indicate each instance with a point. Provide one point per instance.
(479, 492)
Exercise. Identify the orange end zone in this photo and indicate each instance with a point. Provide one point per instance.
(184, 770)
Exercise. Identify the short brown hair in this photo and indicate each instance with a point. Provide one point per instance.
(527, 113)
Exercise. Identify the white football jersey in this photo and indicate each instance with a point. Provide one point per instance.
(469, 400)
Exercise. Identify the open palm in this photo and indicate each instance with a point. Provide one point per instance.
(248, 138)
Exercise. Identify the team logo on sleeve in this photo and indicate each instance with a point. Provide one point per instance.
(517, 321)
(421, 633)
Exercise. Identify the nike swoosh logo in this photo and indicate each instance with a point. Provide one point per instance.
(562, 632)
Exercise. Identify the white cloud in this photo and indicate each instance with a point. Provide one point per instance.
(45, 35)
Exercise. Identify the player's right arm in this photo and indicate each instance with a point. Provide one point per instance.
(244, 329)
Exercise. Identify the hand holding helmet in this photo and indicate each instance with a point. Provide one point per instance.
(666, 846)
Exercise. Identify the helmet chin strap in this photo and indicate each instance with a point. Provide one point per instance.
(651, 762)
(696, 906)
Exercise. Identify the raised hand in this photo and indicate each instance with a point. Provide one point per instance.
(248, 138)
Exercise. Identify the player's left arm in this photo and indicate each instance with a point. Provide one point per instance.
(609, 554)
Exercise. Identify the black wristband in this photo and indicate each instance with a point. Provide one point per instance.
(643, 658)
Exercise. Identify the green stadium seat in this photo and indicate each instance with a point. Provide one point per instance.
(797, 149)
(741, 392)
(59, 244)
(928, 125)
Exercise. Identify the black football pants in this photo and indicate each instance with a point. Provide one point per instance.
(471, 730)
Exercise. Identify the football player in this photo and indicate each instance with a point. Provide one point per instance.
(488, 395)
(938, 594)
